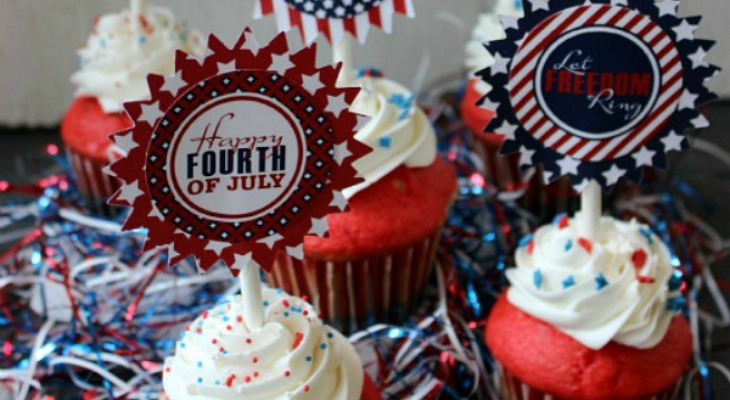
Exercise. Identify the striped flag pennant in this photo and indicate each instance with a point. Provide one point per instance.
(597, 89)
(334, 18)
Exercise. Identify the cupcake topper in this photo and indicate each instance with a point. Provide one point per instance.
(238, 156)
(334, 19)
(595, 90)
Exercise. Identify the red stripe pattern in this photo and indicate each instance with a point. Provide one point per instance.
(95, 186)
(534, 120)
(354, 294)
(334, 29)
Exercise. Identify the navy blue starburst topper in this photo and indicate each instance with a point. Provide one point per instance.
(598, 89)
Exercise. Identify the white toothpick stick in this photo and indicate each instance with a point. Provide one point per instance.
(342, 52)
(252, 295)
(137, 9)
(590, 211)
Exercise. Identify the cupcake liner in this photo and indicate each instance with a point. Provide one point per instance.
(352, 294)
(512, 388)
(95, 186)
(503, 171)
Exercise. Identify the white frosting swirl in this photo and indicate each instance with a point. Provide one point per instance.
(614, 289)
(293, 356)
(488, 28)
(398, 132)
(118, 56)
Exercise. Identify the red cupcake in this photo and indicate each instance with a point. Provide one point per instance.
(378, 255)
(591, 320)
(114, 65)
(501, 171)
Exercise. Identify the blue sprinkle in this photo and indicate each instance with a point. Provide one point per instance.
(601, 281)
(279, 291)
(182, 345)
(217, 383)
(286, 314)
(525, 241)
(225, 319)
(200, 364)
(404, 103)
(371, 72)
(559, 217)
(647, 234)
(385, 142)
(323, 346)
(309, 358)
(142, 39)
(676, 280)
(570, 281)
(330, 335)
(568, 245)
(200, 380)
(676, 303)
(537, 279)
(35, 258)
(489, 237)
(266, 303)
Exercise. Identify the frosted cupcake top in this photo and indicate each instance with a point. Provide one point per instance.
(621, 287)
(399, 132)
(488, 28)
(118, 55)
(293, 356)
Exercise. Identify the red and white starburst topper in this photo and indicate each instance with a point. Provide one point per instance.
(334, 18)
(239, 155)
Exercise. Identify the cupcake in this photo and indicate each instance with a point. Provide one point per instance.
(114, 65)
(503, 172)
(591, 320)
(293, 356)
(378, 255)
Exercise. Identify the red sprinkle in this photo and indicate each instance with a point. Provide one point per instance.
(305, 298)
(247, 379)
(239, 319)
(531, 247)
(167, 369)
(306, 388)
(563, 222)
(285, 303)
(645, 279)
(297, 340)
(214, 341)
(255, 360)
(255, 374)
(287, 373)
(639, 258)
(229, 380)
(228, 327)
(205, 314)
(305, 313)
(221, 349)
(248, 341)
(586, 244)
(198, 330)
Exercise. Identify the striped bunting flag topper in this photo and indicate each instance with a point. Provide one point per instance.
(598, 89)
(334, 18)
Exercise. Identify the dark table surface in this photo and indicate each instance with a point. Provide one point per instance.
(709, 177)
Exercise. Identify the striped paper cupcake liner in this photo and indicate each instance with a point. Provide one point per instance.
(354, 294)
(94, 185)
(512, 388)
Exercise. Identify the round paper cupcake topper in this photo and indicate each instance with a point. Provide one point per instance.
(334, 18)
(239, 155)
(595, 90)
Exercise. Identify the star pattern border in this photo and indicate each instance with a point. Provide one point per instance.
(697, 71)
